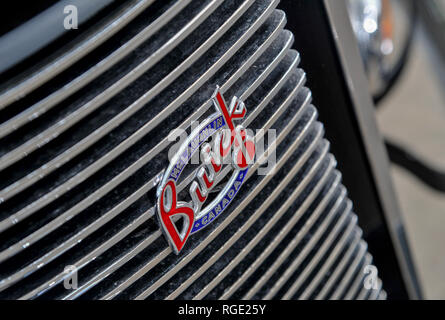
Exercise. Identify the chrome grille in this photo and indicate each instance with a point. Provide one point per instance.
(81, 158)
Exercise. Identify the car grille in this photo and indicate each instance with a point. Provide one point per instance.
(84, 142)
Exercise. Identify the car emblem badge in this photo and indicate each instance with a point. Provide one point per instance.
(232, 150)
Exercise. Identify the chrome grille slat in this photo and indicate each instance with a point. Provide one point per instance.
(62, 218)
(116, 181)
(275, 90)
(187, 180)
(268, 226)
(90, 256)
(246, 226)
(126, 80)
(116, 265)
(317, 258)
(119, 249)
(147, 187)
(144, 270)
(296, 263)
(315, 281)
(67, 59)
(77, 237)
(348, 258)
(44, 105)
(143, 189)
(364, 294)
(357, 285)
(350, 273)
(276, 241)
(225, 223)
(49, 133)
(132, 253)
(291, 246)
(376, 292)
(357, 234)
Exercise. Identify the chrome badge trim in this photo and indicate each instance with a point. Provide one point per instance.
(233, 150)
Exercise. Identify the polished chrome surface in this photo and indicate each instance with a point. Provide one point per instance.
(97, 35)
(84, 79)
(55, 193)
(378, 159)
(91, 204)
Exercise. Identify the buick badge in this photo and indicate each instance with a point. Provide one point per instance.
(231, 151)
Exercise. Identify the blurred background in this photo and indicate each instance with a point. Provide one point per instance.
(402, 43)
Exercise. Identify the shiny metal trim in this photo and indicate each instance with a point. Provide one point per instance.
(355, 287)
(91, 255)
(324, 270)
(337, 274)
(131, 226)
(272, 246)
(101, 275)
(31, 208)
(150, 184)
(307, 202)
(225, 223)
(364, 294)
(348, 276)
(296, 263)
(378, 159)
(59, 127)
(277, 215)
(76, 84)
(293, 244)
(183, 184)
(251, 220)
(164, 143)
(274, 91)
(55, 223)
(216, 232)
(321, 252)
(119, 263)
(69, 58)
(376, 292)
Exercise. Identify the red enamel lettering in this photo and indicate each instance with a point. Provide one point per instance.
(167, 216)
